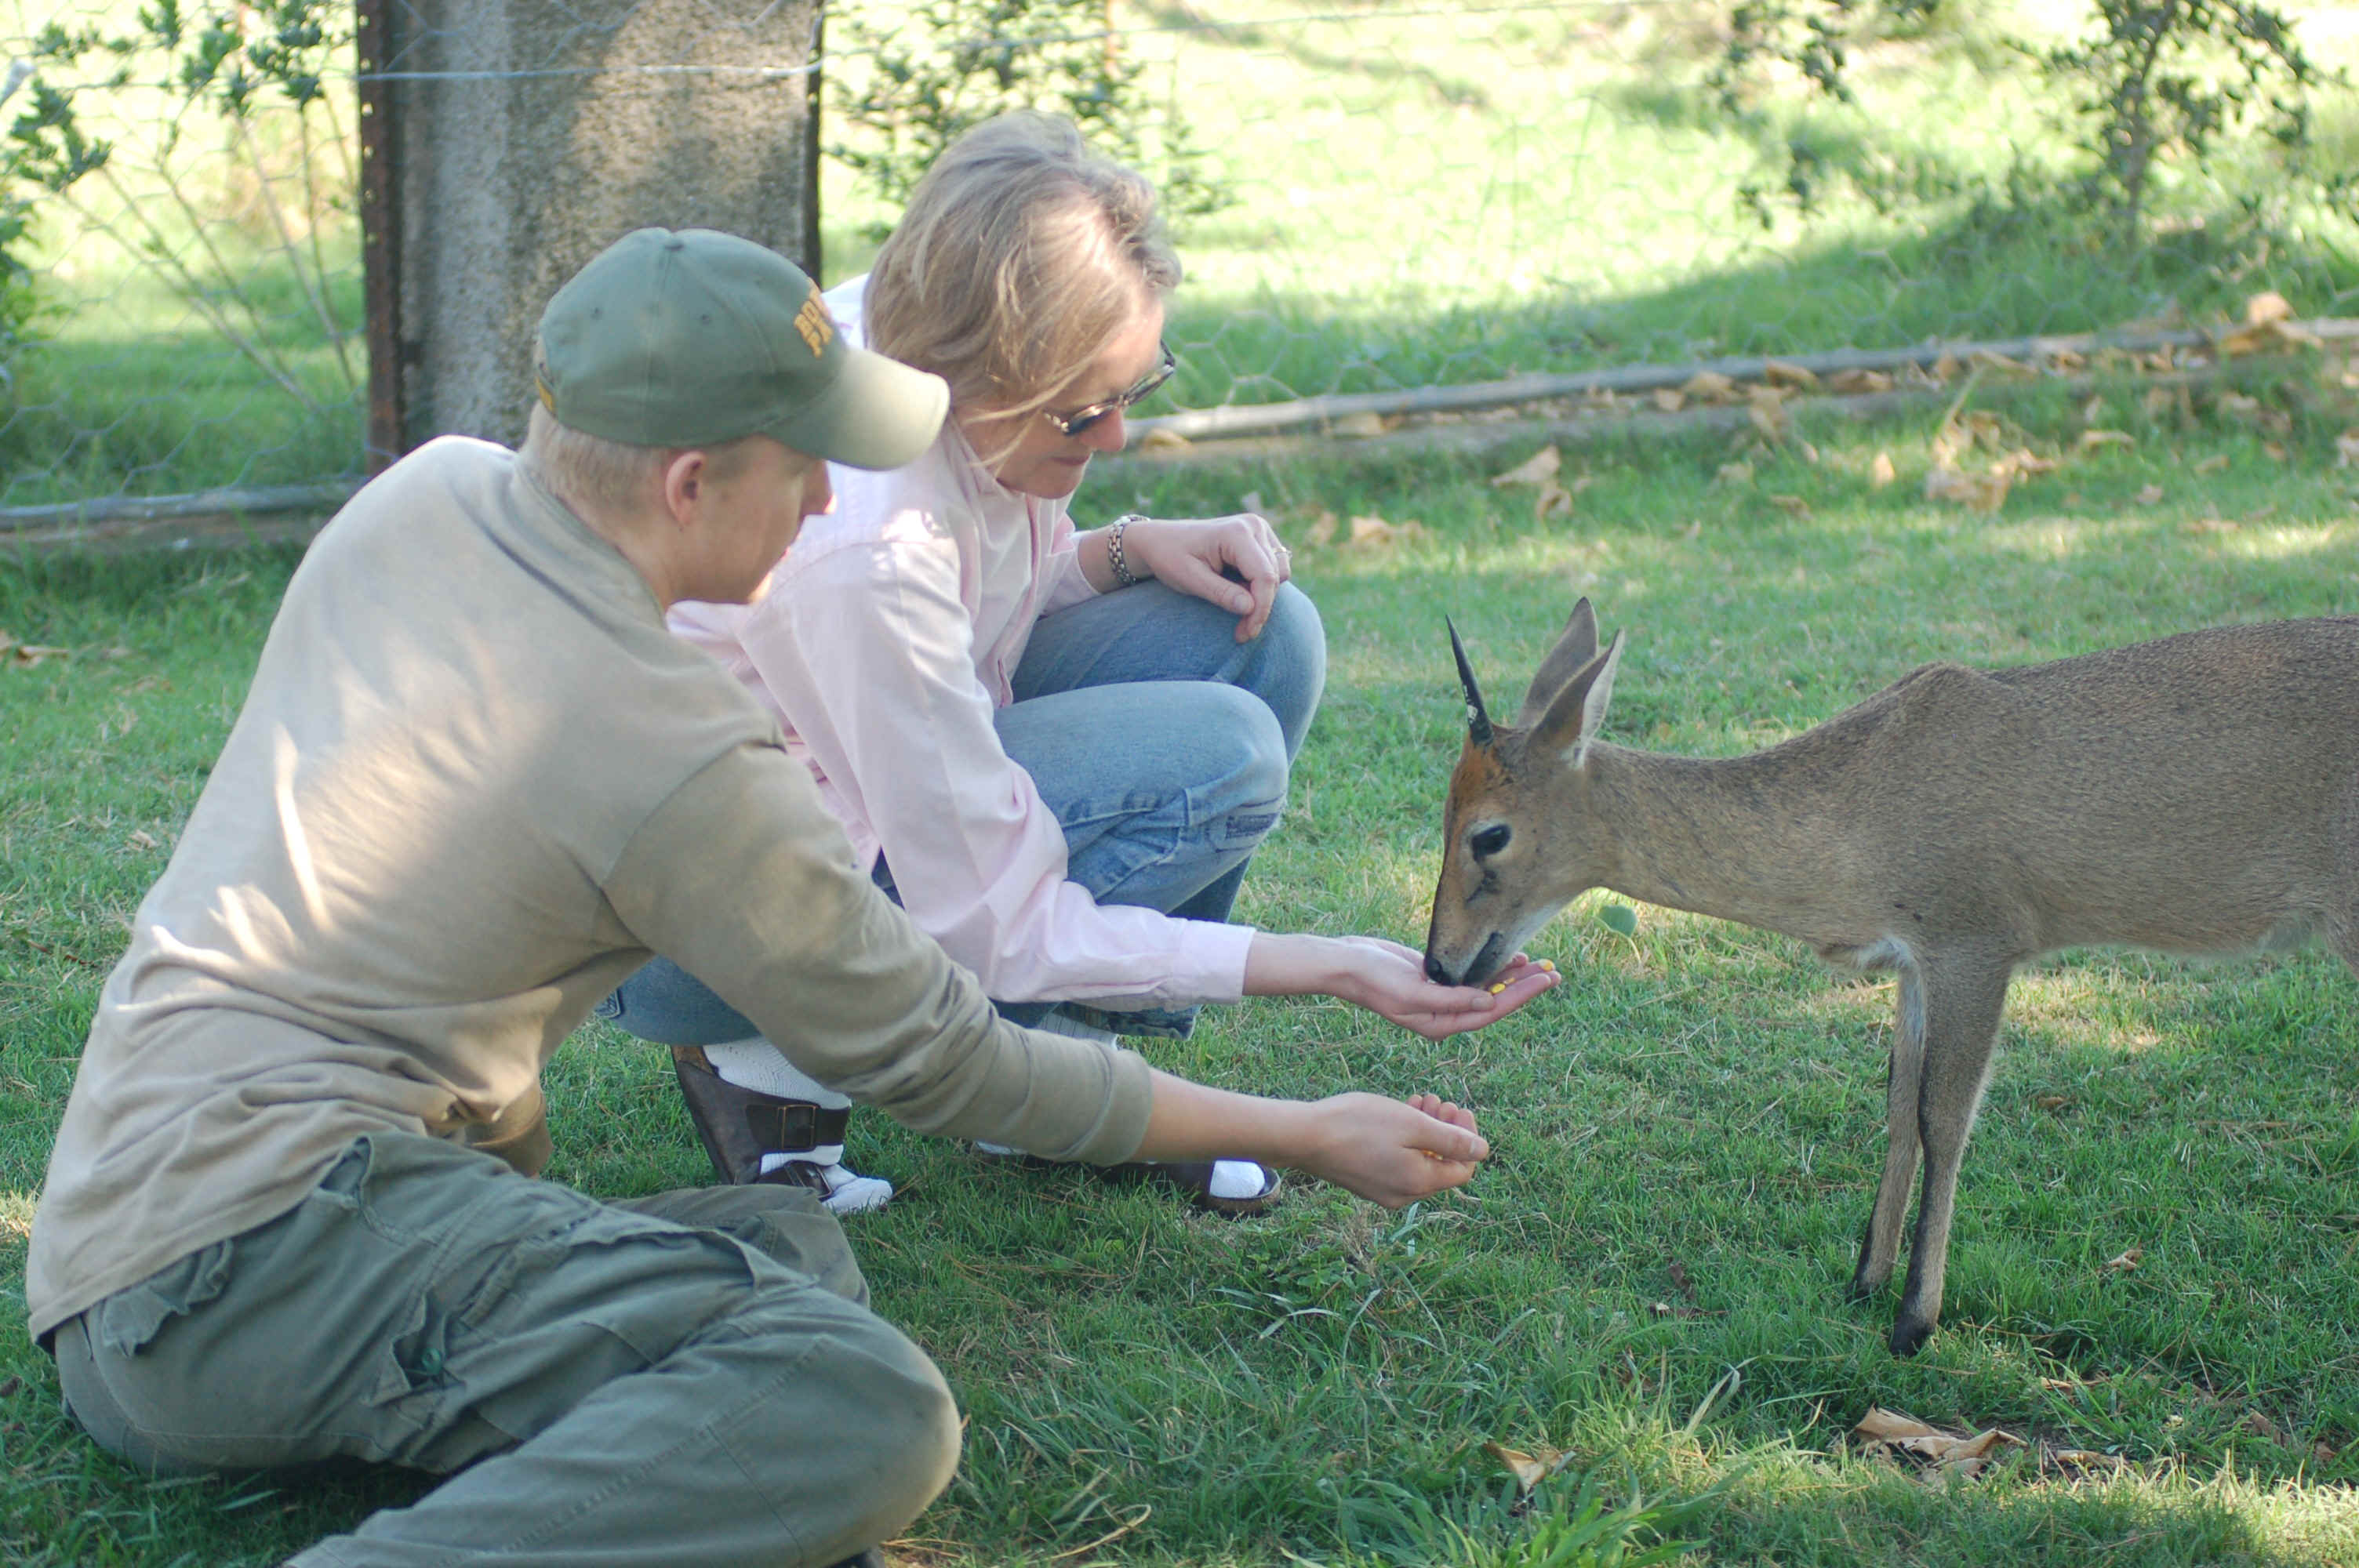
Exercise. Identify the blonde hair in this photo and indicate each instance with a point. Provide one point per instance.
(614, 476)
(1022, 253)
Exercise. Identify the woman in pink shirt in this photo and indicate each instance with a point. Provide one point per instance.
(1059, 750)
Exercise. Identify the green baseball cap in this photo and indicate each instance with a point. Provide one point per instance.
(691, 338)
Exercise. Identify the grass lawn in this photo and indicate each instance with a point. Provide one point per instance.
(1418, 194)
(1647, 1276)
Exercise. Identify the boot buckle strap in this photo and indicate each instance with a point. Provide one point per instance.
(794, 1126)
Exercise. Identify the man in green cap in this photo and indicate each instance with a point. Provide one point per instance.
(292, 1212)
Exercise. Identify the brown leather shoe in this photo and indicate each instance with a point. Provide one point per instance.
(737, 1126)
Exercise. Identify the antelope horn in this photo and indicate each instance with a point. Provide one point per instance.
(1478, 722)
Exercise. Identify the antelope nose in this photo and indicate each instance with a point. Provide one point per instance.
(1435, 972)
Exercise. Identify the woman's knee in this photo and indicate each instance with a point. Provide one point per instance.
(1243, 758)
(1288, 671)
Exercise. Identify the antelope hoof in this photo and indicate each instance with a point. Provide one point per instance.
(1909, 1335)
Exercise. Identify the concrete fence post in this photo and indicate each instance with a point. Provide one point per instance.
(523, 136)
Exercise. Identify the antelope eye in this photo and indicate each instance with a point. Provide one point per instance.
(1490, 840)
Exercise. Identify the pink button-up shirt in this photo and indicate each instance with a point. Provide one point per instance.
(890, 634)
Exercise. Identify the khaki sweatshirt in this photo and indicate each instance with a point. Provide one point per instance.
(474, 785)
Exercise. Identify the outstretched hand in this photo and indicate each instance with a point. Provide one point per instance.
(1394, 1153)
(1234, 562)
(1388, 979)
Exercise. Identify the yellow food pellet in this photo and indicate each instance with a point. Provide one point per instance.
(1498, 988)
(1547, 966)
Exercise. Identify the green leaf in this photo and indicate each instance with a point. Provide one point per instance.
(1620, 918)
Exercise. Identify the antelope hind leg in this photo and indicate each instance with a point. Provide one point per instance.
(1879, 1248)
(1963, 999)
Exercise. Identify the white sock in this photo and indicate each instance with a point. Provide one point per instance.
(758, 1065)
(1234, 1179)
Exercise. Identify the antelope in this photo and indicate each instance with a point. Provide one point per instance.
(2197, 795)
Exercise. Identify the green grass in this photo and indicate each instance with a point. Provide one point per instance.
(1700, 1102)
(1420, 195)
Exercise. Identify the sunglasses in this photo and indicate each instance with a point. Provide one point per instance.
(1080, 419)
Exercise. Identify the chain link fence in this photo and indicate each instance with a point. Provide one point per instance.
(1388, 196)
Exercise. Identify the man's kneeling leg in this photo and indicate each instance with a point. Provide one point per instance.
(618, 1385)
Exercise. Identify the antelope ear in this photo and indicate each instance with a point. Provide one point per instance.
(1575, 646)
(1574, 719)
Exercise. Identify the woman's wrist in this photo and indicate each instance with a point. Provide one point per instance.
(1120, 561)
(1293, 964)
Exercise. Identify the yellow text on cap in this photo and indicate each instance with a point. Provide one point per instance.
(814, 322)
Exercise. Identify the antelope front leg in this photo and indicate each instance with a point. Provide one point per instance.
(1879, 1248)
(1963, 1001)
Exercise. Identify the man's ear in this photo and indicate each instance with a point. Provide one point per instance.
(683, 482)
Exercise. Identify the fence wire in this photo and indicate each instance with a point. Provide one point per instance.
(1383, 196)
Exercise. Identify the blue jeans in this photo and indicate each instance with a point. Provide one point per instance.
(1161, 742)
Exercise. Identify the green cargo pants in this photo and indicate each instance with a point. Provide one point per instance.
(688, 1379)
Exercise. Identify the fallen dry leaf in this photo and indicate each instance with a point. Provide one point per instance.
(1161, 441)
(142, 840)
(2346, 448)
(1374, 531)
(1709, 386)
(2149, 495)
(2051, 1102)
(2123, 1262)
(1322, 529)
(2264, 308)
(2092, 410)
(2212, 464)
(1792, 506)
(1366, 423)
(1881, 472)
(2024, 460)
(1795, 378)
(2091, 439)
(2162, 399)
(1889, 1432)
(25, 655)
(1539, 467)
(2212, 525)
(2275, 450)
(1669, 400)
(1961, 433)
(1852, 383)
(2243, 405)
(1766, 409)
(2000, 365)
(2082, 1459)
(1946, 368)
(1734, 473)
(1977, 492)
(2260, 1426)
(2065, 360)
(1529, 1469)
(1552, 499)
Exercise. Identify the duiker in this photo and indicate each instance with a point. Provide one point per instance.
(2198, 795)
